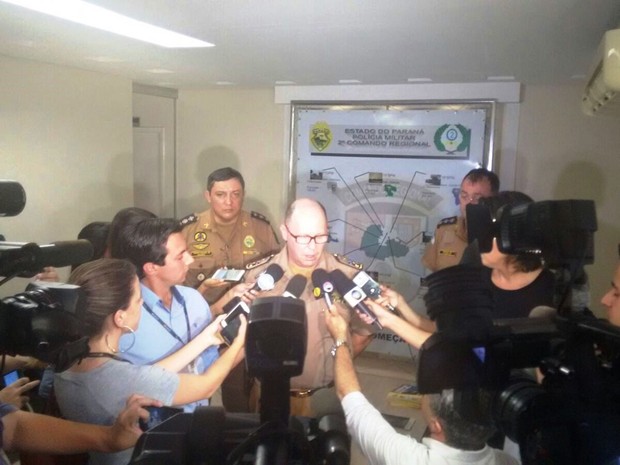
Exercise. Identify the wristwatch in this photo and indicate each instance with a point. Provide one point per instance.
(338, 343)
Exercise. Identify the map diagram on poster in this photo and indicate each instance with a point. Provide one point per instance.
(386, 178)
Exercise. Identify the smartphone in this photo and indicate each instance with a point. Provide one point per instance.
(230, 324)
(368, 284)
(11, 377)
(157, 415)
(228, 274)
(399, 422)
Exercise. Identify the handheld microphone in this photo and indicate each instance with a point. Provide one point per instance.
(352, 294)
(266, 280)
(323, 286)
(12, 198)
(372, 289)
(295, 287)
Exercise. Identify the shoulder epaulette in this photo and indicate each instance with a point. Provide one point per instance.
(446, 221)
(345, 261)
(259, 262)
(258, 216)
(189, 219)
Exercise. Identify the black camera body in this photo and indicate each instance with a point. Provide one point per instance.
(572, 416)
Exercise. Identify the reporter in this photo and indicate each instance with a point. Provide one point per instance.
(453, 440)
(32, 432)
(91, 389)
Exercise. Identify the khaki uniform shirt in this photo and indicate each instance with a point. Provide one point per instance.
(448, 244)
(318, 364)
(252, 238)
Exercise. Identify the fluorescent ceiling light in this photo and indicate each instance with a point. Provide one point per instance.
(87, 14)
(420, 79)
(349, 81)
(500, 78)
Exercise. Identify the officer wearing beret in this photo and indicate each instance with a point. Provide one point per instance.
(451, 234)
(224, 235)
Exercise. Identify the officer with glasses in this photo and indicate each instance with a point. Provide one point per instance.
(305, 232)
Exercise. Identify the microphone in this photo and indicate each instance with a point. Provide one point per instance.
(12, 198)
(266, 280)
(323, 287)
(352, 294)
(372, 289)
(295, 287)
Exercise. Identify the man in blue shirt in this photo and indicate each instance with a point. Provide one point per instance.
(172, 314)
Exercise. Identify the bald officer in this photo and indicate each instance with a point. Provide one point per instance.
(224, 235)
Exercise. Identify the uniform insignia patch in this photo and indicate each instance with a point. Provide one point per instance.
(446, 221)
(249, 241)
(189, 219)
(258, 216)
(344, 260)
(448, 252)
(200, 277)
(259, 262)
(200, 236)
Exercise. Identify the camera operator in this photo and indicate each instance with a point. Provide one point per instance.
(453, 440)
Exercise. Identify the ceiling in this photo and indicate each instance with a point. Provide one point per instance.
(323, 42)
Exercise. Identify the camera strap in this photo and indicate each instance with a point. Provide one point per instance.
(164, 325)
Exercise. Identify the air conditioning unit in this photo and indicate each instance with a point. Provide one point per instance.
(601, 95)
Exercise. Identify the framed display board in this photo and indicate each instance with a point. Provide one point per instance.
(386, 175)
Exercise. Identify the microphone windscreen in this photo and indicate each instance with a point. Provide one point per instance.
(295, 286)
(267, 279)
(319, 277)
(543, 311)
(341, 282)
(12, 198)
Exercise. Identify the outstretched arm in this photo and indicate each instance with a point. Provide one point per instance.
(32, 432)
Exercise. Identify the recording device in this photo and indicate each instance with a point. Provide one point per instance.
(230, 324)
(275, 349)
(561, 231)
(44, 320)
(323, 287)
(157, 415)
(352, 294)
(228, 274)
(573, 415)
(266, 280)
(371, 288)
(10, 377)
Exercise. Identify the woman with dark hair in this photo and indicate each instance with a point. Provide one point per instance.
(519, 282)
(94, 389)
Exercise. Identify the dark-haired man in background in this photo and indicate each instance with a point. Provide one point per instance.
(225, 235)
(450, 237)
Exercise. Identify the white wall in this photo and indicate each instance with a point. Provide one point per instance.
(66, 136)
(232, 127)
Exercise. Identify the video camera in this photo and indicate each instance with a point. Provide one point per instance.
(573, 415)
(275, 351)
(43, 321)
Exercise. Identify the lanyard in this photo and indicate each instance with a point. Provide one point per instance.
(163, 323)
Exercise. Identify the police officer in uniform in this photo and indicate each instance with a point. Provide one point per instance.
(305, 232)
(450, 237)
(224, 235)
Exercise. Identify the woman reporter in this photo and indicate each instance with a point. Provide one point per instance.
(93, 389)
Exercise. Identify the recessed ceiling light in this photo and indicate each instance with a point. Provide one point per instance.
(159, 71)
(225, 83)
(419, 80)
(87, 14)
(284, 83)
(349, 81)
(500, 78)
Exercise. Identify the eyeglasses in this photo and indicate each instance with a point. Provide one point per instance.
(305, 240)
(465, 197)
